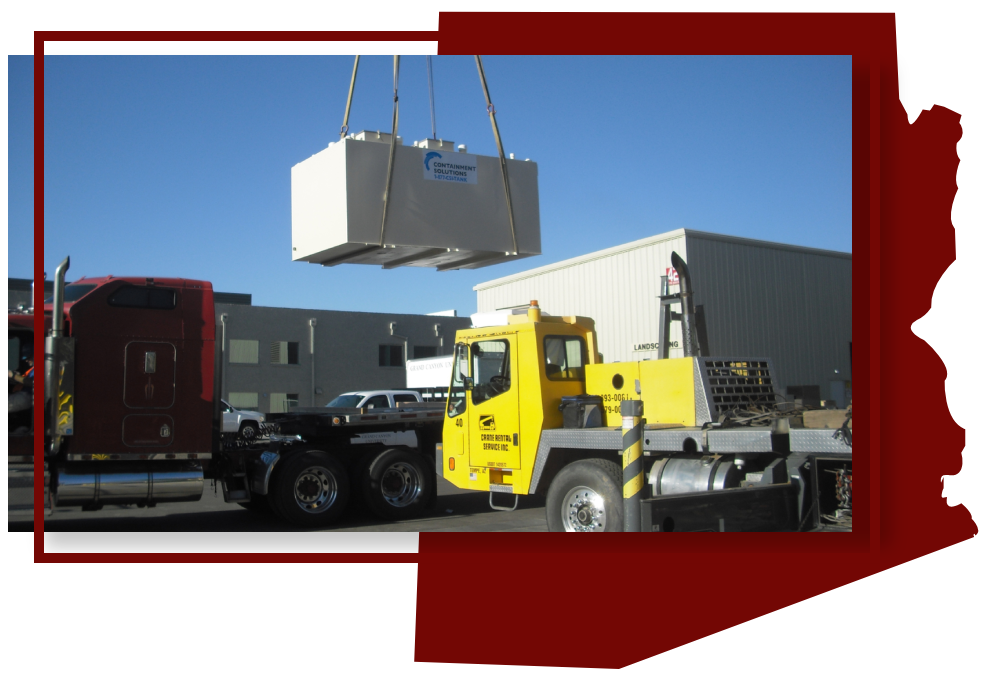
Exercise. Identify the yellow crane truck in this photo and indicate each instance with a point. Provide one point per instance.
(533, 410)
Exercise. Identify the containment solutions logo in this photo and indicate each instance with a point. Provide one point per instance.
(450, 167)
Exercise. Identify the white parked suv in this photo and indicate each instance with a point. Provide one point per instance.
(244, 423)
(380, 399)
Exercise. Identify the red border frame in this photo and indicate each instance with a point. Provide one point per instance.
(899, 187)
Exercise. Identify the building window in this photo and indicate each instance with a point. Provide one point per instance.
(425, 352)
(244, 351)
(282, 402)
(391, 355)
(284, 352)
(243, 400)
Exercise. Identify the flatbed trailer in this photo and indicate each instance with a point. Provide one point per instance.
(307, 470)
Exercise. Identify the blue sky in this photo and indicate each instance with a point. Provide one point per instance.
(180, 165)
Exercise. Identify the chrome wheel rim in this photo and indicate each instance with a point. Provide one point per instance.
(583, 510)
(400, 485)
(315, 489)
(248, 432)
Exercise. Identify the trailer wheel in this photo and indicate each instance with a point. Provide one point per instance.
(249, 430)
(586, 496)
(311, 490)
(397, 484)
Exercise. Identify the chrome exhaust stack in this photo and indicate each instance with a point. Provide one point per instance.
(52, 363)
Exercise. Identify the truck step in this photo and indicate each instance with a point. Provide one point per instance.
(236, 489)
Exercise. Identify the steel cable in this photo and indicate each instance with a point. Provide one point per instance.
(499, 146)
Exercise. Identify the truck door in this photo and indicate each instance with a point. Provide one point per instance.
(149, 375)
(149, 393)
(455, 433)
(493, 422)
(377, 401)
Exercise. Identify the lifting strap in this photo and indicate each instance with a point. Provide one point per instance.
(431, 98)
(393, 140)
(393, 148)
(499, 148)
(349, 102)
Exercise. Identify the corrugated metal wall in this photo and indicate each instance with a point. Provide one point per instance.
(791, 304)
(618, 288)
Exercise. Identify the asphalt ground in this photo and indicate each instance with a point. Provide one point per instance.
(456, 510)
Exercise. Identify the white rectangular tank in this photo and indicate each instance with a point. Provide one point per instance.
(447, 208)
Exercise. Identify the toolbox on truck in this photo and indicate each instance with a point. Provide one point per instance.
(581, 411)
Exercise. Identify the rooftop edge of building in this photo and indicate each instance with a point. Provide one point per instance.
(659, 238)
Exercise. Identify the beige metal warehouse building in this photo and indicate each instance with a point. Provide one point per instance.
(758, 299)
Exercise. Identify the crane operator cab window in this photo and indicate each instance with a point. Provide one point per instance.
(564, 357)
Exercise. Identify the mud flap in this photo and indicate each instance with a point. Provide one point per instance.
(432, 499)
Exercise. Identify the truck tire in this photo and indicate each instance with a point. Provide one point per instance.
(397, 484)
(356, 470)
(311, 489)
(586, 495)
(249, 430)
(258, 504)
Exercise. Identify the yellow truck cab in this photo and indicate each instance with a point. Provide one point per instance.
(533, 410)
(507, 383)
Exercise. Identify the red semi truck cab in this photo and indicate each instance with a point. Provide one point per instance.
(132, 366)
(131, 363)
(144, 363)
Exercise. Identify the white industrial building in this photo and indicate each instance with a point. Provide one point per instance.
(754, 298)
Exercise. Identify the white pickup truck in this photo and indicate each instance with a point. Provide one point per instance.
(375, 399)
(369, 399)
(244, 423)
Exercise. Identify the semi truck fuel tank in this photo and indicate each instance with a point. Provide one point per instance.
(692, 475)
(89, 486)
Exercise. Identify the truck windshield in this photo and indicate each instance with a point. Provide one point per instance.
(346, 400)
(490, 369)
(457, 391)
(74, 291)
